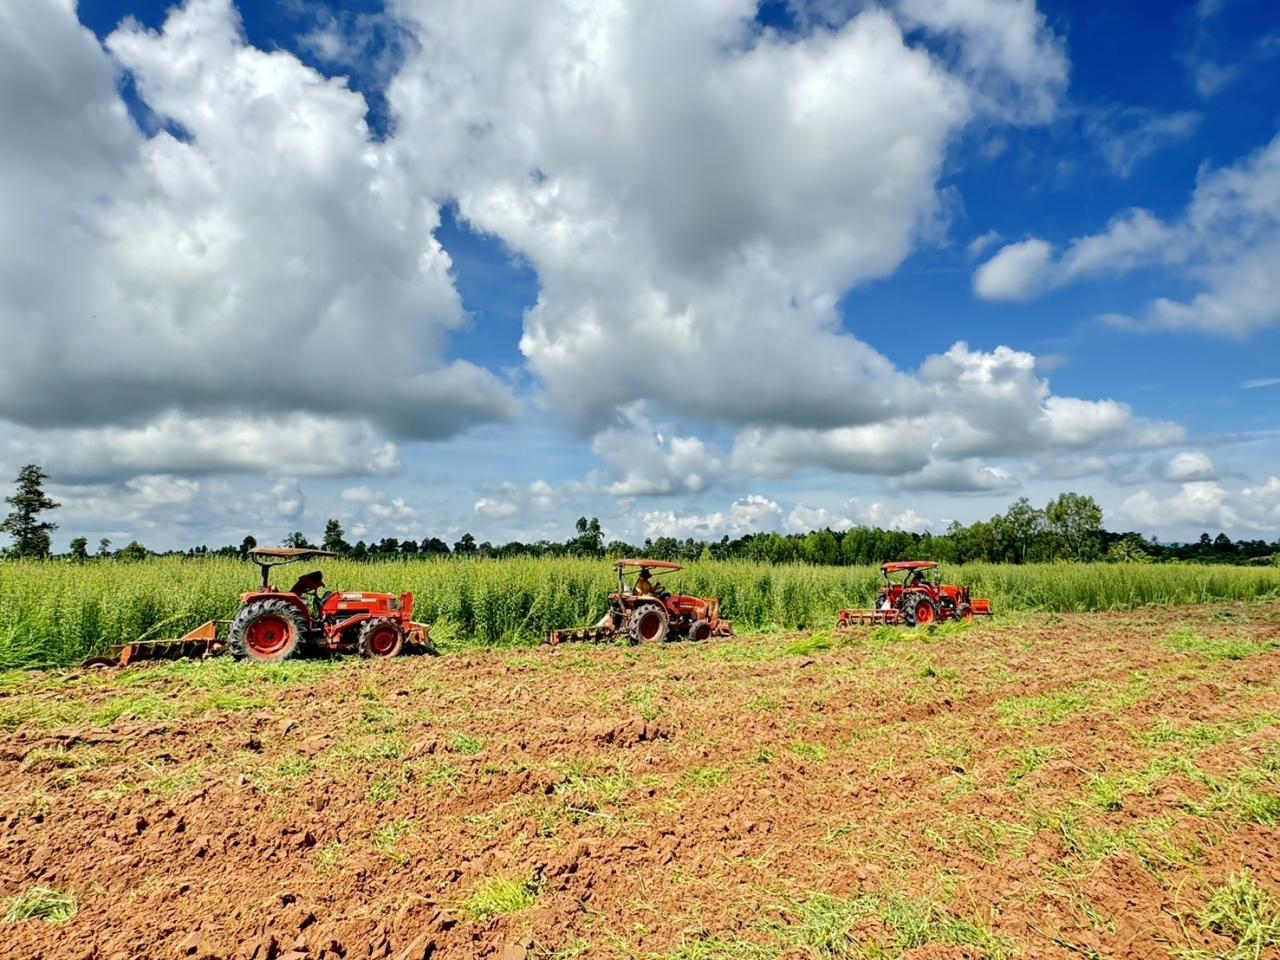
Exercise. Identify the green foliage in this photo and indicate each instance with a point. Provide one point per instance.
(56, 614)
(1245, 913)
(1128, 550)
(41, 903)
(1075, 522)
(1185, 640)
(1040, 710)
(30, 533)
(499, 896)
(333, 538)
(466, 744)
(386, 840)
(837, 928)
(1029, 760)
(810, 752)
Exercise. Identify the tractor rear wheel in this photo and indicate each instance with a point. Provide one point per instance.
(919, 612)
(266, 630)
(699, 630)
(380, 638)
(648, 624)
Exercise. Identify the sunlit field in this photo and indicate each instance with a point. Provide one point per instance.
(57, 613)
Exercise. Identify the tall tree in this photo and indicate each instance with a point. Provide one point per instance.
(1023, 524)
(247, 544)
(434, 545)
(466, 546)
(104, 547)
(590, 538)
(134, 551)
(80, 548)
(297, 540)
(30, 533)
(333, 534)
(1076, 522)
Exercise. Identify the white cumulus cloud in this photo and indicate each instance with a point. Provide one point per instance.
(1227, 243)
(260, 253)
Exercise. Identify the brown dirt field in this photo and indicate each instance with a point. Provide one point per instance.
(1041, 786)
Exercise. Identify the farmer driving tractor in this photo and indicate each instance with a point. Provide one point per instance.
(643, 586)
(311, 583)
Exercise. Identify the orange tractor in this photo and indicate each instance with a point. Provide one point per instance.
(915, 599)
(276, 624)
(647, 612)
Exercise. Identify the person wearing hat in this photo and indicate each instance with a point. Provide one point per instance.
(644, 586)
(308, 583)
(311, 583)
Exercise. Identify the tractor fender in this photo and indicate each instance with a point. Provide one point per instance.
(292, 599)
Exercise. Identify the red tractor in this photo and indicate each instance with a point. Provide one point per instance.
(647, 612)
(275, 625)
(915, 599)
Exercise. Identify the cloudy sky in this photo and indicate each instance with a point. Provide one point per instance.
(698, 267)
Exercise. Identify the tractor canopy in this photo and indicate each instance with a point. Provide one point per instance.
(275, 555)
(648, 564)
(268, 557)
(896, 565)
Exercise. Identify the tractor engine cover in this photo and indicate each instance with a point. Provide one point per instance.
(383, 604)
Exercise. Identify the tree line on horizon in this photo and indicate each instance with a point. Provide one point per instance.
(1068, 527)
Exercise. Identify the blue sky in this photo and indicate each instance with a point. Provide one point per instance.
(698, 270)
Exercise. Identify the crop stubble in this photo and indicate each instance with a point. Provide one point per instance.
(1057, 785)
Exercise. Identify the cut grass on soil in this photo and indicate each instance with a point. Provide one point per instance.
(386, 840)
(499, 896)
(41, 903)
(1186, 640)
(1243, 912)
(1027, 762)
(1040, 710)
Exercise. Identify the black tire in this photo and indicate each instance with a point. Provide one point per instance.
(252, 634)
(912, 608)
(381, 639)
(699, 630)
(964, 612)
(648, 624)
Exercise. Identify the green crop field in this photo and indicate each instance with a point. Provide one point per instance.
(57, 613)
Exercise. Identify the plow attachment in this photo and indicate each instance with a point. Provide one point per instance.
(584, 635)
(201, 642)
(867, 618)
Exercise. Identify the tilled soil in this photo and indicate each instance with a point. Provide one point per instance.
(1043, 786)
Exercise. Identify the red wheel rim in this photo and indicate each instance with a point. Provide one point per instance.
(383, 642)
(649, 625)
(924, 613)
(966, 613)
(268, 635)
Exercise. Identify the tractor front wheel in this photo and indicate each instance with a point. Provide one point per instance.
(267, 630)
(964, 612)
(699, 630)
(648, 624)
(919, 612)
(380, 638)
